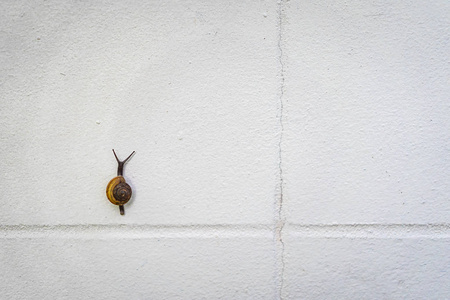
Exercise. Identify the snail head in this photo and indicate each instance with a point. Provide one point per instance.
(121, 163)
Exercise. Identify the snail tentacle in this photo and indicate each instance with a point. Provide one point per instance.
(121, 163)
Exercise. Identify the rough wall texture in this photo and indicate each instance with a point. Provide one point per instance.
(284, 150)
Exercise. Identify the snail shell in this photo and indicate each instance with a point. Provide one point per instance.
(118, 191)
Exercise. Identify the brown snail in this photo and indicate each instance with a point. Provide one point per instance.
(117, 190)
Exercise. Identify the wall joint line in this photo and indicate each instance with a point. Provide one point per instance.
(280, 219)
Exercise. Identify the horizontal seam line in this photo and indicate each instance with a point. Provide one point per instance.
(136, 231)
(224, 226)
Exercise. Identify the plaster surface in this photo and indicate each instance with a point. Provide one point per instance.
(284, 150)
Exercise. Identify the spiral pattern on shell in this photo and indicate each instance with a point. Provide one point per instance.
(122, 192)
(118, 191)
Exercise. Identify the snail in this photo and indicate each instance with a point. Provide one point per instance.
(118, 191)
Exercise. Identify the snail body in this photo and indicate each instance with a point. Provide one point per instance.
(117, 190)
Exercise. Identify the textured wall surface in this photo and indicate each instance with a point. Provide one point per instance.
(284, 150)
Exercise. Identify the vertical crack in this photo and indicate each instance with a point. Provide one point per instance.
(280, 222)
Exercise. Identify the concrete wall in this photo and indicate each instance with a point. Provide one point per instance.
(284, 150)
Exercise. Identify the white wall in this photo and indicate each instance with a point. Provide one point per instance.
(290, 150)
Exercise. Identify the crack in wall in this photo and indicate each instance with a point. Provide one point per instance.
(280, 222)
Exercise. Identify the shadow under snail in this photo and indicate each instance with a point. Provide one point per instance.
(118, 191)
